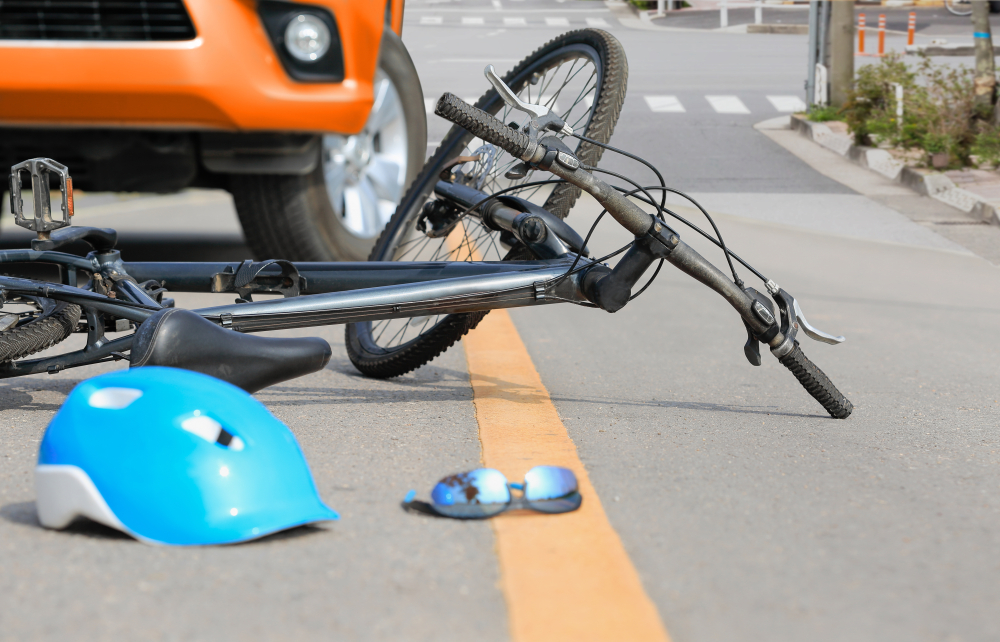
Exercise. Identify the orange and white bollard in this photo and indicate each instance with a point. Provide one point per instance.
(911, 29)
(861, 34)
(881, 35)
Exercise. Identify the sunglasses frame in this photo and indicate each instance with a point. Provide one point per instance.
(564, 504)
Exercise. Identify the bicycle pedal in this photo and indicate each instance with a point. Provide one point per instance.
(41, 221)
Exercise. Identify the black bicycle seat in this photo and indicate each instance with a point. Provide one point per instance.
(182, 339)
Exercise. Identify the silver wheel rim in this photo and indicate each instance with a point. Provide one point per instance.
(364, 174)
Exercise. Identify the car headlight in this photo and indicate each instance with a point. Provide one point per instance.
(307, 38)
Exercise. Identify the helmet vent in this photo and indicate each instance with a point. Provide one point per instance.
(114, 398)
(212, 431)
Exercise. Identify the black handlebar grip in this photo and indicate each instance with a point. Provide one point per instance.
(481, 124)
(817, 383)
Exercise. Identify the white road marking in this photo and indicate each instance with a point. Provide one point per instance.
(588, 100)
(557, 22)
(787, 103)
(472, 20)
(664, 104)
(431, 20)
(514, 22)
(596, 22)
(727, 104)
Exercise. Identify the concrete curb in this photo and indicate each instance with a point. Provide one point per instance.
(947, 50)
(779, 28)
(923, 181)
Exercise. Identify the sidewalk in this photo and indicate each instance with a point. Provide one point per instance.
(950, 224)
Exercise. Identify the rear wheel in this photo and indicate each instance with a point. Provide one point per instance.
(582, 76)
(336, 212)
(34, 325)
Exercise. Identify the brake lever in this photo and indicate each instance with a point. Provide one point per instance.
(813, 333)
(541, 116)
(792, 317)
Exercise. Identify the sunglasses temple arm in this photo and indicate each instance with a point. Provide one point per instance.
(409, 497)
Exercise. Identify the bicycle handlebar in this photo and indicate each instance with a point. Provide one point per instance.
(484, 125)
(494, 131)
(817, 383)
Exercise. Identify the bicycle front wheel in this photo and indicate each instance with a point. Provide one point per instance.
(580, 75)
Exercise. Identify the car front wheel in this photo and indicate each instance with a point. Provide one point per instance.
(336, 212)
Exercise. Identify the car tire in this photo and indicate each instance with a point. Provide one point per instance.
(295, 218)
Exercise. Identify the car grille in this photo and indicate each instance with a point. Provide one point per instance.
(130, 20)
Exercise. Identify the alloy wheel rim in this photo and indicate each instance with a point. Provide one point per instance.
(364, 174)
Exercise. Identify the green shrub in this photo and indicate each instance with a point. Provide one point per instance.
(938, 111)
(825, 113)
(986, 146)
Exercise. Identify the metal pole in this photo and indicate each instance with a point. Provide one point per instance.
(824, 31)
(661, 6)
(723, 15)
(841, 51)
(813, 32)
(758, 12)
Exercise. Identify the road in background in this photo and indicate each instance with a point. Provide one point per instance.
(747, 512)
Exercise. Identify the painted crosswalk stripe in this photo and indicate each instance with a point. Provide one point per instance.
(430, 20)
(514, 22)
(472, 20)
(596, 22)
(664, 103)
(787, 103)
(727, 104)
(557, 22)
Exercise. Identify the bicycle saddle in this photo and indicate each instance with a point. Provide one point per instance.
(182, 339)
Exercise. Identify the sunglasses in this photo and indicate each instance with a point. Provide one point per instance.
(485, 492)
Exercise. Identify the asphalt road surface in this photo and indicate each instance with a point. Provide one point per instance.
(746, 512)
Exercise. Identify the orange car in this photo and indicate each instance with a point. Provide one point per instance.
(310, 113)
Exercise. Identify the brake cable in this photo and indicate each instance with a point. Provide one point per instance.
(663, 201)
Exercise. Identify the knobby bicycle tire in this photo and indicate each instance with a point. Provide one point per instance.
(375, 361)
(40, 333)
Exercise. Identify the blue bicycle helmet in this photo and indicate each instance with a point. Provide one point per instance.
(173, 457)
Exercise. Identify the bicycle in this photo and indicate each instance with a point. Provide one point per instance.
(548, 262)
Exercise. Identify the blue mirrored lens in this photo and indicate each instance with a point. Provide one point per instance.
(478, 493)
(549, 483)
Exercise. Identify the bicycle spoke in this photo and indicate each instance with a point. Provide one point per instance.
(569, 82)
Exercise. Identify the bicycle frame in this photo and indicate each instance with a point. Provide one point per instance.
(331, 293)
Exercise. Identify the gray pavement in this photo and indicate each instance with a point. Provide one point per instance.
(748, 513)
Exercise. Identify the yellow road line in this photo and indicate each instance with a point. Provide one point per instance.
(564, 577)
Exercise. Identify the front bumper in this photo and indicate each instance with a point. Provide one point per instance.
(228, 78)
